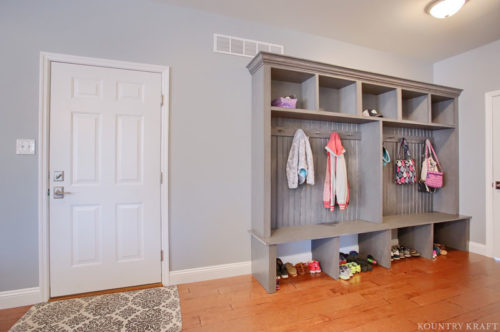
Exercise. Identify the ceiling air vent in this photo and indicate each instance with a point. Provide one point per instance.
(243, 47)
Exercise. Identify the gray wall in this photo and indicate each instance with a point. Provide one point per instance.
(477, 72)
(209, 134)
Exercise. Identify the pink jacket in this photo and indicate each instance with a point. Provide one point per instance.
(336, 186)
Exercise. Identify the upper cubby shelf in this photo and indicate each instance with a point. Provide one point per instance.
(302, 85)
(415, 106)
(337, 95)
(381, 98)
(443, 109)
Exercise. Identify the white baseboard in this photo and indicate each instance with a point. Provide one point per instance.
(20, 297)
(210, 272)
(478, 248)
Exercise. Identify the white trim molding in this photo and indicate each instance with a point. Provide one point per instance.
(478, 248)
(20, 297)
(210, 272)
(43, 159)
(488, 145)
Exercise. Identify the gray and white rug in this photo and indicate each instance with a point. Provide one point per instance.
(153, 309)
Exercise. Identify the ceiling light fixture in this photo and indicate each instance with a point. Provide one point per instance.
(444, 8)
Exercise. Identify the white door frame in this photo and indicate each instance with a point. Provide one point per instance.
(43, 161)
(489, 169)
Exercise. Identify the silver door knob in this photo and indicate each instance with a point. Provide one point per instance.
(59, 192)
(497, 185)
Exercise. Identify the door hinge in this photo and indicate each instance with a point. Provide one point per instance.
(161, 177)
(162, 100)
(48, 192)
(161, 255)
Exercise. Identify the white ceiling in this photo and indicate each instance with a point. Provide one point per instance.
(396, 26)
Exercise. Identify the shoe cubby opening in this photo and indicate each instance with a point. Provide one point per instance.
(415, 106)
(443, 110)
(337, 95)
(381, 98)
(419, 238)
(453, 234)
(376, 244)
(299, 84)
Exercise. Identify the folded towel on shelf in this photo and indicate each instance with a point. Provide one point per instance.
(300, 164)
(336, 183)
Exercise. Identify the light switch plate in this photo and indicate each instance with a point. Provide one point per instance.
(25, 146)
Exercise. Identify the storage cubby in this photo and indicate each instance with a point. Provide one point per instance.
(415, 106)
(419, 238)
(361, 142)
(443, 109)
(405, 199)
(454, 234)
(300, 84)
(329, 100)
(382, 98)
(337, 95)
(377, 244)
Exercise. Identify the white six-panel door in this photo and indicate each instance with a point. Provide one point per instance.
(105, 130)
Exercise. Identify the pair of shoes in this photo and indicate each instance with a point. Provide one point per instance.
(441, 249)
(364, 264)
(414, 253)
(404, 252)
(302, 268)
(345, 272)
(314, 267)
(292, 271)
(342, 258)
(395, 253)
(371, 260)
(281, 271)
(355, 267)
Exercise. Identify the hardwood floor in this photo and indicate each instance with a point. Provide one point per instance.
(458, 288)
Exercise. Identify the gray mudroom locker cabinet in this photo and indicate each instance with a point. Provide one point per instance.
(331, 98)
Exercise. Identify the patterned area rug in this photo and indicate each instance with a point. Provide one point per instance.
(153, 309)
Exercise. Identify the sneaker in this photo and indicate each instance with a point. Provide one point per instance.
(283, 272)
(344, 272)
(372, 260)
(317, 267)
(312, 267)
(407, 253)
(401, 250)
(342, 258)
(347, 270)
(396, 253)
(355, 268)
(434, 254)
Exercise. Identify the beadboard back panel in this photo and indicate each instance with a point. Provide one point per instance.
(304, 205)
(405, 199)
